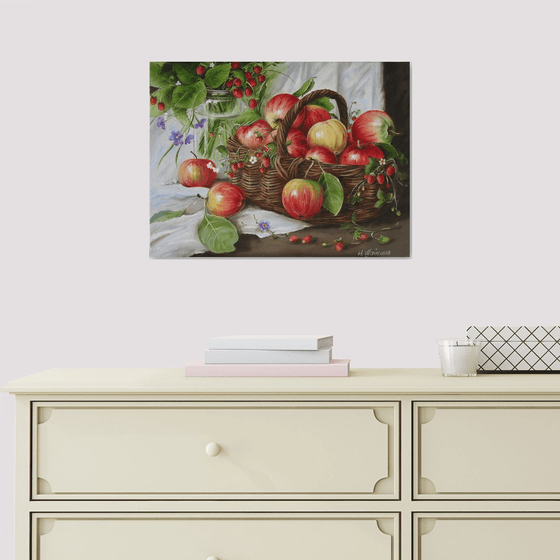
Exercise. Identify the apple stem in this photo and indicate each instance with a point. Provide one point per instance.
(196, 157)
(394, 133)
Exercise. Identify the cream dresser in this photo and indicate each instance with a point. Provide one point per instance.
(142, 464)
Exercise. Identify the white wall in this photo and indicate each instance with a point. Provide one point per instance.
(78, 288)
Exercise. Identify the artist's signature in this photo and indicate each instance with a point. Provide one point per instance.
(373, 253)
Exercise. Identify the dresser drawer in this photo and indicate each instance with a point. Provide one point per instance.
(495, 536)
(218, 450)
(485, 450)
(225, 537)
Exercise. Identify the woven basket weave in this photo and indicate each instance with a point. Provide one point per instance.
(265, 189)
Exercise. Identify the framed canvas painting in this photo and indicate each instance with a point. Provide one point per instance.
(279, 159)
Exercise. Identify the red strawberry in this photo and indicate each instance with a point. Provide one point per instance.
(235, 64)
(234, 166)
(261, 78)
(230, 174)
(257, 69)
(253, 104)
(248, 92)
(258, 154)
(339, 246)
(161, 106)
(266, 161)
(237, 93)
(200, 70)
(239, 165)
(390, 170)
(153, 100)
(306, 239)
(370, 179)
(248, 75)
(237, 82)
(381, 179)
(252, 82)
(229, 83)
(363, 236)
(262, 169)
(293, 238)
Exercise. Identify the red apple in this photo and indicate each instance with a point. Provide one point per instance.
(310, 115)
(359, 155)
(197, 173)
(297, 143)
(225, 199)
(277, 107)
(324, 155)
(373, 126)
(351, 141)
(302, 198)
(254, 135)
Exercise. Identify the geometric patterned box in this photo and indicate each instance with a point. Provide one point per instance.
(521, 349)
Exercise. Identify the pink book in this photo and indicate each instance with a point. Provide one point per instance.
(337, 368)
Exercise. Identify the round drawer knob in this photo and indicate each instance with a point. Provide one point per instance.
(212, 558)
(212, 449)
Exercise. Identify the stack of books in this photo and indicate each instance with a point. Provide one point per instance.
(269, 356)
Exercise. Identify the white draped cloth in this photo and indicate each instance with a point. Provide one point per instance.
(178, 237)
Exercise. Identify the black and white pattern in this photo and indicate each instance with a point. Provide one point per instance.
(524, 349)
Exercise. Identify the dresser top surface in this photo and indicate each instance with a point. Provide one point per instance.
(361, 381)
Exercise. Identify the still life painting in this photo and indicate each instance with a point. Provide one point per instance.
(279, 159)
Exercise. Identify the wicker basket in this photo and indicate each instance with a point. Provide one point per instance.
(265, 189)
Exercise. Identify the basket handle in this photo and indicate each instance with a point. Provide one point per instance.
(291, 115)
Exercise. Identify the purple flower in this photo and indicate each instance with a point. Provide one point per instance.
(176, 137)
(264, 226)
(189, 138)
(200, 124)
(161, 122)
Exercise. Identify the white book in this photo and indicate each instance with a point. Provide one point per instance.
(255, 342)
(322, 356)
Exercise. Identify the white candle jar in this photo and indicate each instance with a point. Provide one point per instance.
(459, 356)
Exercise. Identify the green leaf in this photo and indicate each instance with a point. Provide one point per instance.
(371, 166)
(223, 150)
(249, 116)
(217, 234)
(238, 74)
(165, 215)
(186, 72)
(382, 239)
(154, 111)
(354, 216)
(381, 195)
(379, 204)
(217, 75)
(355, 199)
(345, 226)
(402, 175)
(182, 116)
(305, 88)
(324, 102)
(189, 97)
(158, 78)
(333, 193)
(165, 95)
(389, 197)
(389, 151)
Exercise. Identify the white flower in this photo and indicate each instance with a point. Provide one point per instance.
(382, 161)
(164, 117)
(178, 83)
(252, 159)
(209, 165)
(216, 169)
(211, 65)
